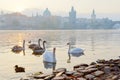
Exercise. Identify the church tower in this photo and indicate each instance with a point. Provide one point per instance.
(93, 16)
(72, 16)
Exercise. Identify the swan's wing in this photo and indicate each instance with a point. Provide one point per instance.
(39, 50)
(17, 49)
(77, 55)
(32, 46)
(48, 57)
(76, 52)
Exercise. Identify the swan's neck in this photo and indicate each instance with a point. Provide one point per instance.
(54, 54)
(44, 45)
(23, 44)
(69, 52)
(23, 47)
(39, 43)
(69, 48)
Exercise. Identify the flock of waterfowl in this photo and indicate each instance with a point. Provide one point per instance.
(36, 48)
(48, 57)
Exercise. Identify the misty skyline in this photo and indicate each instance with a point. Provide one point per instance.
(103, 8)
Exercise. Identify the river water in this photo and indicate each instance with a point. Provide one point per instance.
(97, 44)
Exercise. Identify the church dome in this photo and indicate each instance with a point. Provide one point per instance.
(47, 12)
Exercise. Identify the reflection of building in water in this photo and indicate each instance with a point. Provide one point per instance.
(92, 42)
(72, 39)
(52, 39)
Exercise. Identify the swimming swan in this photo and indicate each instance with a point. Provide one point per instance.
(77, 52)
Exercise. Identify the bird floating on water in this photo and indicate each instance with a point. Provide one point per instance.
(17, 49)
(49, 59)
(38, 50)
(49, 56)
(32, 46)
(19, 69)
(77, 52)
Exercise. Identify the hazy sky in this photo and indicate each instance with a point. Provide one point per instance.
(84, 6)
(55, 6)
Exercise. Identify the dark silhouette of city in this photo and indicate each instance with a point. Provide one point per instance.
(47, 21)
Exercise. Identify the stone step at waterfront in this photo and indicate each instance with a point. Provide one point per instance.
(99, 70)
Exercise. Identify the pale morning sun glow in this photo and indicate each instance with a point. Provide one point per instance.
(110, 6)
(63, 6)
(19, 9)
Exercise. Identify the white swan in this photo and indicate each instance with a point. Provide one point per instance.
(38, 50)
(18, 49)
(49, 56)
(77, 52)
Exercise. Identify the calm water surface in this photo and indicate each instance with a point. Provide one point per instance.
(98, 44)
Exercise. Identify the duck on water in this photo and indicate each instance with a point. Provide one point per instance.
(19, 69)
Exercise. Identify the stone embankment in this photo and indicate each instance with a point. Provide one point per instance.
(99, 70)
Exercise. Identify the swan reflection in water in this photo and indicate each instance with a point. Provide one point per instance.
(17, 49)
(49, 59)
(49, 65)
(76, 52)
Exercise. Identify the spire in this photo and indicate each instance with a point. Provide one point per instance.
(93, 12)
(72, 15)
(47, 9)
(93, 15)
(72, 9)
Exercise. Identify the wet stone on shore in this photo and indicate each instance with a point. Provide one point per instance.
(99, 70)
